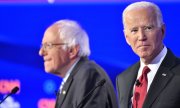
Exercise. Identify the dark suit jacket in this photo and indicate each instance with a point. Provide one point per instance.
(164, 91)
(84, 78)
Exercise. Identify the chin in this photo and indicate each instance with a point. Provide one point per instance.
(144, 55)
(48, 70)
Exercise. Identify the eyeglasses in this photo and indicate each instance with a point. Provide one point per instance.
(47, 46)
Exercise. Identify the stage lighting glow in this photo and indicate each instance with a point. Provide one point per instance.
(6, 85)
(49, 87)
(46, 103)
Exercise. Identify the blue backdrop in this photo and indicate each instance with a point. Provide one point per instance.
(21, 30)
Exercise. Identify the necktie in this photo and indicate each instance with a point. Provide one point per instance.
(141, 89)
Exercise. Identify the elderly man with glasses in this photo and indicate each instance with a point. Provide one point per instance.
(65, 50)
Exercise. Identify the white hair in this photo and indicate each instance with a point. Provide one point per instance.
(73, 34)
(144, 4)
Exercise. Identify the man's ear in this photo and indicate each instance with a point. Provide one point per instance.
(73, 51)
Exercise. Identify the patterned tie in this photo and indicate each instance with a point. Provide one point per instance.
(141, 89)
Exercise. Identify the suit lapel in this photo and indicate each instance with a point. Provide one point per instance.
(130, 80)
(68, 83)
(159, 83)
(161, 79)
(64, 92)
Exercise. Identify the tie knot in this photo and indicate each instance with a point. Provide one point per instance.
(146, 70)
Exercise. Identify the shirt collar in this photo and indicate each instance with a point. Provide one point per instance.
(158, 59)
(70, 70)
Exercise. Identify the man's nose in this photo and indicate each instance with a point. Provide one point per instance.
(141, 35)
(41, 52)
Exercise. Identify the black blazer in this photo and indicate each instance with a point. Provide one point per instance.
(164, 91)
(83, 78)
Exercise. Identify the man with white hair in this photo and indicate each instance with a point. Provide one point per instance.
(151, 82)
(65, 48)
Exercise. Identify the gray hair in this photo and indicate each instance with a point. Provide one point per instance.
(73, 34)
(144, 4)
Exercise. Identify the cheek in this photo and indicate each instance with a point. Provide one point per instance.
(156, 41)
(132, 42)
(129, 40)
(60, 59)
(57, 60)
(54, 62)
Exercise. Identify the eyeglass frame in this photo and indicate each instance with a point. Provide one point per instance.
(46, 46)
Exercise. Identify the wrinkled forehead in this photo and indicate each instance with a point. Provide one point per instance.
(140, 16)
(51, 34)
